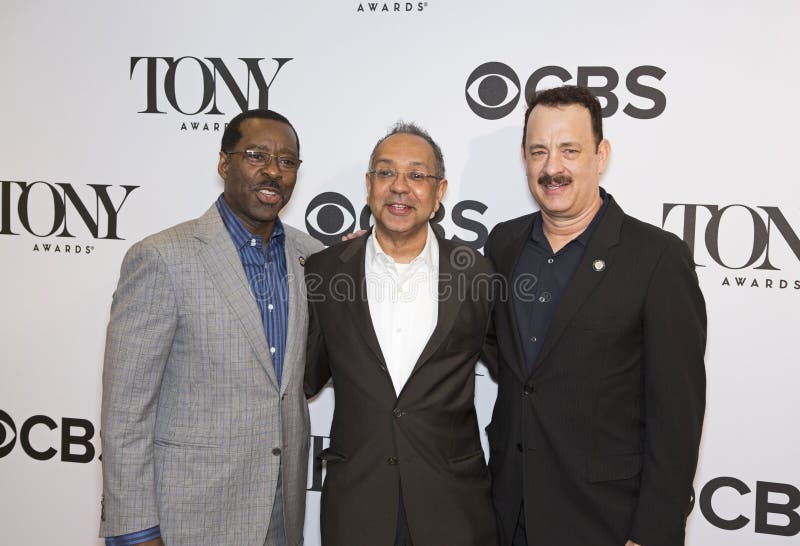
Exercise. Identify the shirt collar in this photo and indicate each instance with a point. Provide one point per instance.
(429, 255)
(240, 235)
(537, 233)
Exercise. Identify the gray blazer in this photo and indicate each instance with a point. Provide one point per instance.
(194, 423)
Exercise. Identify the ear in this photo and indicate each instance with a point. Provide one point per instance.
(441, 189)
(604, 154)
(222, 166)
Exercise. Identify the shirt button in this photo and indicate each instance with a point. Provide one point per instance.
(550, 260)
(270, 307)
(545, 297)
(392, 460)
(276, 451)
(272, 350)
(534, 339)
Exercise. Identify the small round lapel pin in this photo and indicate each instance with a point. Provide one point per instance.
(599, 265)
(302, 260)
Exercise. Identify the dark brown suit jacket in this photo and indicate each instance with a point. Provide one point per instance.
(426, 440)
(600, 441)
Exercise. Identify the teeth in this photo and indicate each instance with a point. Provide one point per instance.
(267, 192)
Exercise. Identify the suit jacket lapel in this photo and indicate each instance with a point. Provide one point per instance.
(298, 310)
(507, 264)
(224, 266)
(586, 277)
(352, 275)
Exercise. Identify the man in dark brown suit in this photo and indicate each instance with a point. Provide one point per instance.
(398, 319)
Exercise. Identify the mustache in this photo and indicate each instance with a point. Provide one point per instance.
(560, 179)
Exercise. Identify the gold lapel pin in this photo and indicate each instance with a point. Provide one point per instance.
(302, 260)
(599, 265)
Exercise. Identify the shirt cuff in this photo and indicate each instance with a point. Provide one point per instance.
(134, 538)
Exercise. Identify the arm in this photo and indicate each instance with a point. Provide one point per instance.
(489, 354)
(139, 339)
(317, 366)
(674, 404)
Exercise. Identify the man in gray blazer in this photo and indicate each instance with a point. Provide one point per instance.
(204, 421)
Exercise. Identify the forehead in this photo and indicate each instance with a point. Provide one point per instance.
(405, 149)
(573, 121)
(268, 133)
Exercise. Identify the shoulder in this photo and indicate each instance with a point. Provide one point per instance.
(328, 258)
(463, 257)
(169, 242)
(645, 235)
(303, 240)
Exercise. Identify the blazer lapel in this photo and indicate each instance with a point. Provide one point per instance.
(224, 266)
(507, 264)
(298, 310)
(352, 279)
(586, 277)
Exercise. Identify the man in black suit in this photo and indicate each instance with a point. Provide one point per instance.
(599, 346)
(398, 319)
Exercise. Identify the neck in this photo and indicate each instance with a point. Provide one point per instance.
(561, 230)
(402, 247)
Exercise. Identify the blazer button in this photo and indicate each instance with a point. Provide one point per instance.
(398, 412)
(392, 461)
(519, 447)
(276, 451)
(527, 390)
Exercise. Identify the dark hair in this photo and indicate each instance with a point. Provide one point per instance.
(233, 132)
(565, 96)
(411, 128)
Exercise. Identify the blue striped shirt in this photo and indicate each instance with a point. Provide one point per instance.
(265, 267)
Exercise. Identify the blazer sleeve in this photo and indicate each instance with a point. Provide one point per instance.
(139, 338)
(675, 383)
(489, 351)
(318, 370)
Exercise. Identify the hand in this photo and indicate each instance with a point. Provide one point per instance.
(631, 543)
(350, 236)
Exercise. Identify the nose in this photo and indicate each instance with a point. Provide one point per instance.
(271, 168)
(400, 184)
(554, 165)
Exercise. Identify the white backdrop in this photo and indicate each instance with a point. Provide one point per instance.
(717, 127)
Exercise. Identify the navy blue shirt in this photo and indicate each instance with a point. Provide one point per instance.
(540, 278)
(265, 267)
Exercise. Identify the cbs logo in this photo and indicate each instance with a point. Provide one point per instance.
(330, 215)
(493, 89)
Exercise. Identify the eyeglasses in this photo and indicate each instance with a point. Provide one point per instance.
(392, 175)
(257, 158)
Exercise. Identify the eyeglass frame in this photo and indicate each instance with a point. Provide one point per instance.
(397, 172)
(269, 160)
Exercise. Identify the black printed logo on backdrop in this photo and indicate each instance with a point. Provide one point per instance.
(206, 86)
(718, 230)
(774, 506)
(62, 210)
(330, 215)
(74, 442)
(493, 89)
(391, 7)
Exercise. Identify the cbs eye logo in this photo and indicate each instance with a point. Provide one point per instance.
(493, 89)
(8, 433)
(329, 216)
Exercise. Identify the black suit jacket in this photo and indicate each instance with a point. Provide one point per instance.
(426, 440)
(601, 440)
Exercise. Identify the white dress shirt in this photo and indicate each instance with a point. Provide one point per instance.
(403, 303)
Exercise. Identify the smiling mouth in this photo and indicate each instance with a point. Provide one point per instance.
(399, 208)
(268, 196)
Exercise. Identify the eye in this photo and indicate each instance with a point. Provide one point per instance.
(537, 153)
(288, 162)
(493, 90)
(417, 176)
(385, 173)
(8, 434)
(255, 156)
(570, 152)
(329, 216)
